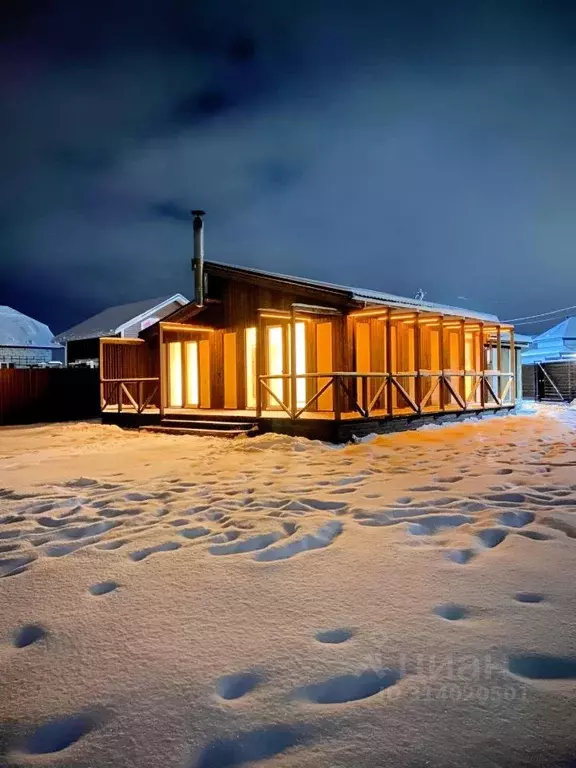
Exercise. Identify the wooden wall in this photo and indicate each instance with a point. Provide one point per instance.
(129, 360)
(34, 395)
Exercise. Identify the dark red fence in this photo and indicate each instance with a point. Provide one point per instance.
(32, 395)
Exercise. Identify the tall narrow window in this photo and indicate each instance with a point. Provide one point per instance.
(276, 364)
(324, 363)
(300, 333)
(250, 339)
(192, 377)
(230, 371)
(175, 374)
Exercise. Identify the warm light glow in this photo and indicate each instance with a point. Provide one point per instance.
(276, 362)
(300, 334)
(192, 375)
(250, 367)
(175, 374)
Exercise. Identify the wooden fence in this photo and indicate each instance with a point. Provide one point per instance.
(34, 395)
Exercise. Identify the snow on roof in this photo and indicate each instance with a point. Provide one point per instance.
(19, 330)
(564, 330)
(366, 295)
(109, 321)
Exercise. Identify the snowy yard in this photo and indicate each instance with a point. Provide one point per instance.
(199, 603)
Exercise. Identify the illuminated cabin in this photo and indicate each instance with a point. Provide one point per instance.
(258, 351)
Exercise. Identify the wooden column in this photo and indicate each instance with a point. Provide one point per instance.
(163, 370)
(293, 387)
(499, 360)
(100, 370)
(514, 383)
(462, 356)
(260, 362)
(482, 367)
(389, 390)
(417, 363)
(441, 385)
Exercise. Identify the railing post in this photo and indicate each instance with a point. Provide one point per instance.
(337, 398)
(140, 396)
(365, 402)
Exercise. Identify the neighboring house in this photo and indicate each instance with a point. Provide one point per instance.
(125, 321)
(24, 342)
(549, 363)
(269, 352)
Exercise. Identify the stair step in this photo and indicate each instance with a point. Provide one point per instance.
(210, 424)
(200, 431)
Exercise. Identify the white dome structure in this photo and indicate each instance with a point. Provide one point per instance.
(17, 329)
(23, 340)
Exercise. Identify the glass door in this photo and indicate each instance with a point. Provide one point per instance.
(275, 365)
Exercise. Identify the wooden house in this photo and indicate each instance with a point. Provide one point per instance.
(258, 351)
(124, 321)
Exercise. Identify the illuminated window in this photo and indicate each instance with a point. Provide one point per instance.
(175, 374)
(276, 363)
(192, 377)
(250, 367)
(300, 364)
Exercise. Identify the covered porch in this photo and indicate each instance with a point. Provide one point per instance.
(310, 363)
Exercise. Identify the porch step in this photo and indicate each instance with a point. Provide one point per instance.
(203, 428)
(208, 423)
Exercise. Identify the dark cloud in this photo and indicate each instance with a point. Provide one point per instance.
(443, 132)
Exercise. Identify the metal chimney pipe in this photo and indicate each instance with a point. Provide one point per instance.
(198, 261)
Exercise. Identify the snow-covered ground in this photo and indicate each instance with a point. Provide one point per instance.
(202, 603)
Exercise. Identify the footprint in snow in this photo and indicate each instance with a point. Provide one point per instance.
(492, 537)
(237, 685)
(339, 690)
(451, 611)
(142, 554)
(540, 666)
(334, 636)
(28, 634)
(249, 747)
(103, 587)
(58, 734)
(514, 519)
(460, 556)
(528, 597)
(323, 537)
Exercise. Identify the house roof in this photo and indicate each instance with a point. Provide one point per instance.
(564, 330)
(557, 343)
(112, 320)
(359, 295)
(19, 330)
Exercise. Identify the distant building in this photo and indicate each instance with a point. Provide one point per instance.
(549, 363)
(24, 342)
(124, 321)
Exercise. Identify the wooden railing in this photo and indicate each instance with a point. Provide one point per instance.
(361, 392)
(113, 392)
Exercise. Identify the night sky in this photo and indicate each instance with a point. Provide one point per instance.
(386, 145)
